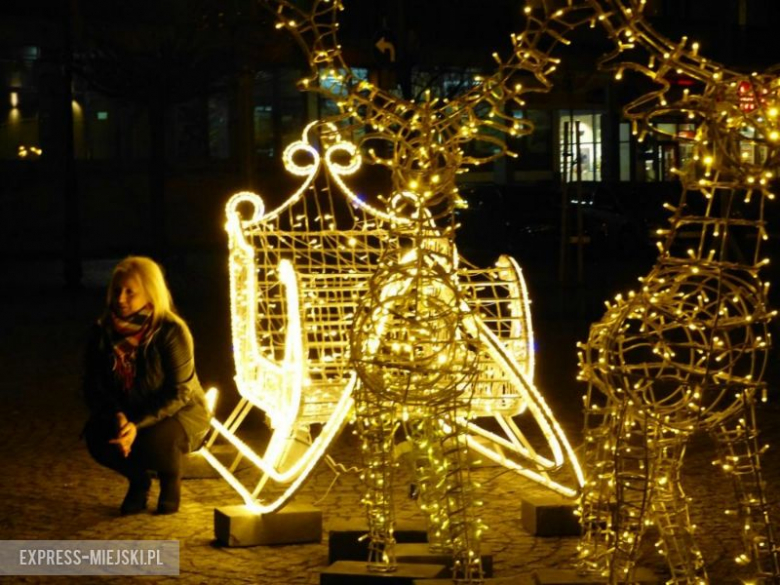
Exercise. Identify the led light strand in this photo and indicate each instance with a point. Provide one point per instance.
(688, 351)
(461, 331)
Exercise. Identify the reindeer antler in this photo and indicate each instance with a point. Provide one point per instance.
(427, 138)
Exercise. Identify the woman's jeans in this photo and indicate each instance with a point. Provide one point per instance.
(156, 448)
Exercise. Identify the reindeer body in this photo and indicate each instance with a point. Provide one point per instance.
(412, 353)
(684, 355)
(687, 352)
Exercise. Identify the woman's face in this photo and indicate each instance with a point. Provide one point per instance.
(128, 296)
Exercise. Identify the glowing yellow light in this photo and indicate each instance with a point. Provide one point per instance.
(211, 399)
(699, 299)
(284, 388)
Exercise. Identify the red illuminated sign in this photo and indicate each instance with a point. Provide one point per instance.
(750, 97)
(747, 97)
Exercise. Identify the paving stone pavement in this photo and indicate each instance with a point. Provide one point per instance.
(51, 489)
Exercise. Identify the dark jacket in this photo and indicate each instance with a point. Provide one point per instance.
(166, 383)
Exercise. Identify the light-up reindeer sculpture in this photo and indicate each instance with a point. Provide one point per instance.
(422, 349)
(686, 352)
(337, 301)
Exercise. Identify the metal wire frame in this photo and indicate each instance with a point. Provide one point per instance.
(333, 248)
(425, 336)
(687, 352)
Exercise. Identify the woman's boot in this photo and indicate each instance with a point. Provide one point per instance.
(137, 495)
(170, 493)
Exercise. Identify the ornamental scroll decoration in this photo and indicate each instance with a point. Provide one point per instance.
(687, 351)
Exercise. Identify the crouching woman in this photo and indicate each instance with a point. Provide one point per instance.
(147, 407)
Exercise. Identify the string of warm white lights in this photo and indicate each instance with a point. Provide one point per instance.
(415, 343)
(321, 291)
(332, 262)
(427, 138)
(686, 352)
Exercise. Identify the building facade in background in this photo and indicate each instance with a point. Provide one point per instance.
(227, 134)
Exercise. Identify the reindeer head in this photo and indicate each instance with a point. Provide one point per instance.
(425, 144)
(738, 126)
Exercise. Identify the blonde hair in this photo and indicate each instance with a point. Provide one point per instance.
(152, 279)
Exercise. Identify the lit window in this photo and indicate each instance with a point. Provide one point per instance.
(579, 137)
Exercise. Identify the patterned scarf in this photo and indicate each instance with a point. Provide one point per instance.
(126, 335)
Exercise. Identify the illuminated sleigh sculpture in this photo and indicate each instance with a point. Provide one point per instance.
(297, 275)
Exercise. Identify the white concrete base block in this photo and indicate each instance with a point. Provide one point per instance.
(295, 523)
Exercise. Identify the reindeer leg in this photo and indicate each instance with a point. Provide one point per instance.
(740, 457)
(441, 470)
(634, 477)
(456, 488)
(376, 427)
(597, 502)
(670, 510)
(426, 459)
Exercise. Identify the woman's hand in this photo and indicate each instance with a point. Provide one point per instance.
(127, 434)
